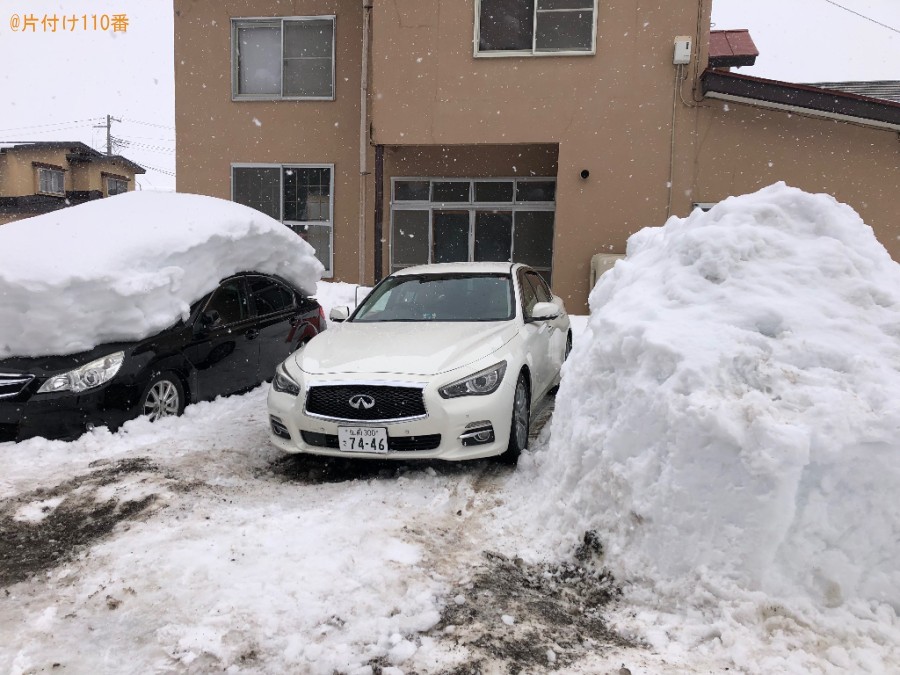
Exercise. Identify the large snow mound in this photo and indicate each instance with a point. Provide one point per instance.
(126, 267)
(734, 405)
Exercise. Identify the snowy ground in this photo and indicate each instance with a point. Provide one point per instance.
(191, 545)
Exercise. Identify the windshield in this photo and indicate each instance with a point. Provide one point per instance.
(458, 297)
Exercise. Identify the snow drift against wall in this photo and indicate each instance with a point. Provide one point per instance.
(126, 267)
(734, 404)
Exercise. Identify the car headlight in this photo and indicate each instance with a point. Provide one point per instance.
(282, 382)
(86, 377)
(480, 384)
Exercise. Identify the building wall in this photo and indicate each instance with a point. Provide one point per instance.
(627, 115)
(740, 149)
(19, 177)
(212, 131)
(609, 113)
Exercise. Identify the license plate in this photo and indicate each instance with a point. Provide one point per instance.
(363, 439)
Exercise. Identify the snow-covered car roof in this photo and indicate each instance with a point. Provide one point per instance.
(125, 267)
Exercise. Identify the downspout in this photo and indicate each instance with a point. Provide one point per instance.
(364, 138)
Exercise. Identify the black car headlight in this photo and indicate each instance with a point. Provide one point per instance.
(480, 384)
(283, 382)
(86, 377)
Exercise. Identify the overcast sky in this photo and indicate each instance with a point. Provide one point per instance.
(817, 40)
(59, 86)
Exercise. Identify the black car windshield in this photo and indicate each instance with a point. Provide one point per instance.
(431, 297)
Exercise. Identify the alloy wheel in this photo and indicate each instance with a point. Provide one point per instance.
(162, 400)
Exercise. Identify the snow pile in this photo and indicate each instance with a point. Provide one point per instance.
(126, 267)
(732, 410)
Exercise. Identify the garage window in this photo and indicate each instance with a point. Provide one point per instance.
(299, 195)
(535, 27)
(283, 58)
(459, 220)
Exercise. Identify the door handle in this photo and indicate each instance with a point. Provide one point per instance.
(252, 334)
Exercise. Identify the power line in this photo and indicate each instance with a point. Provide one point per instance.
(151, 138)
(73, 124)
(863, 16)
(150, 124)
(125, 143)
(163, 171)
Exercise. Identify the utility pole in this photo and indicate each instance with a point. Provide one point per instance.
(109, 120)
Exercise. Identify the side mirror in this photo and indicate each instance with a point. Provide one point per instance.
(544, 310)
(339, 314)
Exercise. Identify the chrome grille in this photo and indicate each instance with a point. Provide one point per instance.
(12, 384)
(372, 402)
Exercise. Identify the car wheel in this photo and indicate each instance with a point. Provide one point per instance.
(519, 425)
(164, 397)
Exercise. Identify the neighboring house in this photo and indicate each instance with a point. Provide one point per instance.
(40, 177)
(396, 132)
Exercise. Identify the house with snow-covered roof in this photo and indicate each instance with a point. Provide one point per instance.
(395, 132)
(39, 177)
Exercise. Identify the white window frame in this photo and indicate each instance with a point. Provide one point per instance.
(534, 50)
(239, 22)
(471, 206)
(61, 173)
(329, 265)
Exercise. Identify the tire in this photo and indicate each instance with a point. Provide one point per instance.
(163, 397)
(519, 422)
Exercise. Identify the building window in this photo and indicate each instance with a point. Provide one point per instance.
(51, 181)
(299, 195)
(460, 220)
(290, 58)
(538, 27)
(116, 185)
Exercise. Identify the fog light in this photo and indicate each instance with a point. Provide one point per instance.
(278, 428)
(478, 433)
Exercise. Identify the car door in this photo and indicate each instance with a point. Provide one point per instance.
(556, 327)
(284, 320)
(536, 337)
(224, 349)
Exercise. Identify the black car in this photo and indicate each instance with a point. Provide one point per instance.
(233, 340)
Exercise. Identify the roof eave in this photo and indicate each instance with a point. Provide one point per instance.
(802, 99)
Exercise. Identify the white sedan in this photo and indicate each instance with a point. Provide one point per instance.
(442, 361)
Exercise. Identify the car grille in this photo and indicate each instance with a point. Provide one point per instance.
(384, 403)
(395, 444)
(12, 384)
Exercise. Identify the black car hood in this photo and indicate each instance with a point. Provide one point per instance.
(43, 366)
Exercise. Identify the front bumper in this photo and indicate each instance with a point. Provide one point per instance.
(447, 431)
(64, 416)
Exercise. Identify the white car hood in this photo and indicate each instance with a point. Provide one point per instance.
(402, 348)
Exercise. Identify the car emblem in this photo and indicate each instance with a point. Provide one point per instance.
(362, 402)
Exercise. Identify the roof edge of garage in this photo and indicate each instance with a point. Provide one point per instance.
(800, 98)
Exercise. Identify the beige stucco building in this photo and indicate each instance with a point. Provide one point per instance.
(39, 177)
(395, 132)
